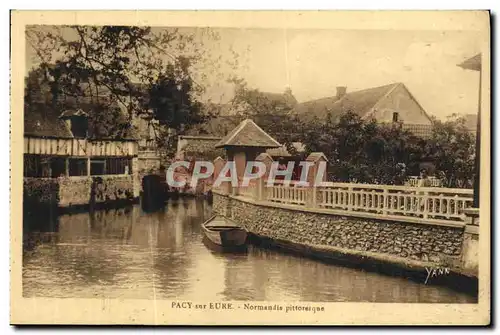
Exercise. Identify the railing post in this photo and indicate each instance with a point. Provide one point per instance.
(268, 161)
(426, 204)
(385, 205)
(314, 196)
(350, 199)
(261, 192)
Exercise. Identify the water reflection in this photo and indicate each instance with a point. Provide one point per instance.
(130, 253)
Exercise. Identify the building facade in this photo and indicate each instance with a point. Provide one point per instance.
(389, 104)
(73, 167)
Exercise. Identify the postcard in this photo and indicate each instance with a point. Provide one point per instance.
(250, 168)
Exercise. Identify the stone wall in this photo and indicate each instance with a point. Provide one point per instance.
(74, 191)
(114, 188)
(198, 147)
(427, 243)
(78, 191)
(43, 191)
(148, 164)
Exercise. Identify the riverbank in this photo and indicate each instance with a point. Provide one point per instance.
(422, 252)
(420, 272)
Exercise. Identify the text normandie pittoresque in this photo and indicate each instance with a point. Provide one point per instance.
(247, 306)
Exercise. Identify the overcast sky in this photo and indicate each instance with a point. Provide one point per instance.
(313, 62)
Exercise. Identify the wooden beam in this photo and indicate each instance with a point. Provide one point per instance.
(88, 166)
(66, 167)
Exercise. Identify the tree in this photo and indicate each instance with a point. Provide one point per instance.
(363, 150)
(273, 112)
(43, 96)
(452, 148)
(368, 152)
(170, 98)
(140, 70)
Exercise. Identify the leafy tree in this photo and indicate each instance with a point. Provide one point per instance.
(452, 148)
(273, 112)
(363, 150)
(130, 70)
(368, 152)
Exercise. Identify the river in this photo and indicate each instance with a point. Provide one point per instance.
(132, 254)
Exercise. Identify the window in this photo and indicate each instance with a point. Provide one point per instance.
(32, 166)
(118, 165)
(79, 125)
(45, 167)
(39, 166)
(395, 117)
(97, 167)
(77, 167)
(105, 166)
(57, 166)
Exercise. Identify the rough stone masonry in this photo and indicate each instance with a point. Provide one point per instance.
(427, 243)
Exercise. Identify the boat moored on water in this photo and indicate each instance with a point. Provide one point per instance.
(224, 232)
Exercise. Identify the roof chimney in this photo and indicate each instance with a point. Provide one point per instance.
(341, 91)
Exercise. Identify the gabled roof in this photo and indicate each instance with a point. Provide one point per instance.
(248, 134)
(217, 126)
(260, 98)
(73, 112)
(316, 156)
(45, 124)
(473, 63)
(286, 98)
(359, 102)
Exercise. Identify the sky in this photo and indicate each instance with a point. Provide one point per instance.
(312, 63)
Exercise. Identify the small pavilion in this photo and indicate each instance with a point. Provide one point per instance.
(244, 143)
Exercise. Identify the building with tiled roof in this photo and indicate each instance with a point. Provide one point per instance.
(248, 134)
(391, 103)
(45, 124)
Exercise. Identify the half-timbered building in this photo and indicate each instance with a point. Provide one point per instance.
(86, 168)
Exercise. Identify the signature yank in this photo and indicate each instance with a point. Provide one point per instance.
(435, 272)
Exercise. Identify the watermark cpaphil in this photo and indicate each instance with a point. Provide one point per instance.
(253, 170)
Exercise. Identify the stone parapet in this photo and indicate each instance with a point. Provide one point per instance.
(81, 191)
(434, 245)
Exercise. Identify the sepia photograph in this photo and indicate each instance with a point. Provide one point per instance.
(250, 168)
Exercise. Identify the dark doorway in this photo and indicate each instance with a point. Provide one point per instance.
(58, 167)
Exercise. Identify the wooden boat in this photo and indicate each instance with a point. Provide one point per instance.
(224, 232)
(218, 249)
